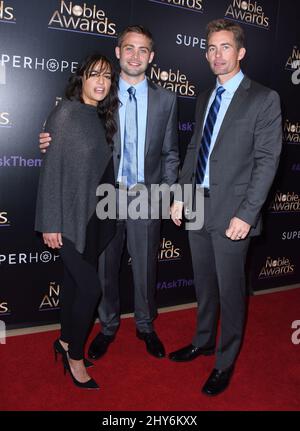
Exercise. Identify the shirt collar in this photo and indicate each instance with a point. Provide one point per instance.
(232, 84)
(141, 87)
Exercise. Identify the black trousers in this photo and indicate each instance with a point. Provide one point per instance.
(79, 296)
(219, 278)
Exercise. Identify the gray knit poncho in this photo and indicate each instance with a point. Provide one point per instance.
(71, 171)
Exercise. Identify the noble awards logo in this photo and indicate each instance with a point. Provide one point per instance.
(293, 61)
(172, 80)
(85, 19)
(4, 308)
(190, 5)
(285, 202)
(6, 13)
(277, 268)
(5, 120)
(291, 132)
(293, 65)
(4, 220)
(247, 12)
(50, 300)
(168, 251)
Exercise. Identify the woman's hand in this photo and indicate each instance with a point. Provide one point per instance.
(44, 141)
(53, 240)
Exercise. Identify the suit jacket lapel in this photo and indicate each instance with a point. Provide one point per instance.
(117, 145)
(233, 109)
(152, 112)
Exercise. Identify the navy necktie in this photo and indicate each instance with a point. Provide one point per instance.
(207, 134)
(130, 140)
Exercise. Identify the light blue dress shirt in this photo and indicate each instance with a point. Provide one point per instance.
(142, 104)
(230, 88)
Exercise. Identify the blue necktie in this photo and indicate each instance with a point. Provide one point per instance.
(207, 134)
(130, 140)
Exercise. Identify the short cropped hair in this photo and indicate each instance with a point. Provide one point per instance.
(223, 24)
(136, 29)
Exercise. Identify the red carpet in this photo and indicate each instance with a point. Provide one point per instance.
(267, 375)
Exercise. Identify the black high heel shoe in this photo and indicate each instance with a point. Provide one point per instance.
(58, 349)
(90, 384)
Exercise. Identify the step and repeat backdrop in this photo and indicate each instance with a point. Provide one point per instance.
(41, 43)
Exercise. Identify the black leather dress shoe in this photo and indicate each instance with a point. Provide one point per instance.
(99, 345)
(188, 353)
(154, 346)
(217, 382)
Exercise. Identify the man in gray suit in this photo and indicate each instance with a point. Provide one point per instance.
(156, 162)
(233, 157)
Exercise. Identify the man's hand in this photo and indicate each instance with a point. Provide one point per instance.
(238, 229)
(176, 212)
(44, 140)
(53, 240)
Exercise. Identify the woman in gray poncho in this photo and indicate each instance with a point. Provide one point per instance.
(80, 158)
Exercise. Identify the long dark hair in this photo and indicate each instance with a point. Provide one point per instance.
(107, 107)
